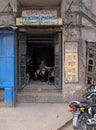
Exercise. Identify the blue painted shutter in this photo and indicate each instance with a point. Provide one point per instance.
(7, 60)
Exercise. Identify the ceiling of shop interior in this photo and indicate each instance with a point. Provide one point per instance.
(39, 3)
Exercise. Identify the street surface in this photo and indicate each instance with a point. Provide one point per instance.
(34, 116)
(68, 126)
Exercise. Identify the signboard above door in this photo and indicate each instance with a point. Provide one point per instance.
(39, 17)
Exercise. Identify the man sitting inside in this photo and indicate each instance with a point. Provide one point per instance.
(42, 72)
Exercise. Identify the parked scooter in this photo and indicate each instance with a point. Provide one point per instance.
(84, 113)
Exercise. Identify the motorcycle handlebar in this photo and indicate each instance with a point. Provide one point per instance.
(90, 91)
(90, 94)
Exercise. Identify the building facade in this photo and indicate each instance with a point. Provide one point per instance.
(60, 32)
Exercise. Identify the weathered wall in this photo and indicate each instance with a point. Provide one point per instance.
(91, 4)
(8, 10)
(63, 8)
(87, 33)
(4, 3)
(89, 30)
(72, 90)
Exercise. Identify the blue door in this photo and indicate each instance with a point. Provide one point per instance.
(7, 66)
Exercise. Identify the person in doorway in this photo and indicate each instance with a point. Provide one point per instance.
(42, 72)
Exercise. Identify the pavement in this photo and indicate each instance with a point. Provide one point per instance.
(34, 116)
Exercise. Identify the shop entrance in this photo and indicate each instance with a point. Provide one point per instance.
(40, 59)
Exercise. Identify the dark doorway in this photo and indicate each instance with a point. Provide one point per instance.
(39, 48)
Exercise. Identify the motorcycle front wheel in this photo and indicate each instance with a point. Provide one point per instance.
(82, 122)
(92, 128)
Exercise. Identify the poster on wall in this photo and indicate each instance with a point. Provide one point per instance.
(71, 62)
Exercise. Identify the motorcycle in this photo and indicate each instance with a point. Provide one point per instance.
(84, 113)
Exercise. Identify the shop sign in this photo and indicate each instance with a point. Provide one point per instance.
(71, 62)
(30, 17)
(48, 17)
(38, 17)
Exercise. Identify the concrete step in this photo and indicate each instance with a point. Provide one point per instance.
(39, 92)
(36, 97)
(40, 89)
